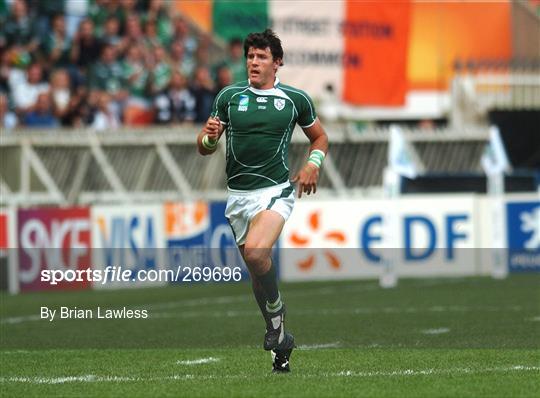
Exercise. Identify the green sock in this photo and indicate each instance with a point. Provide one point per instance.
(260, 297)
(268, 282)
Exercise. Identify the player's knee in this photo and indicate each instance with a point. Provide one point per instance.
(255, 256)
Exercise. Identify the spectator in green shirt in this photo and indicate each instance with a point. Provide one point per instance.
(235, 61)
(57, 46)
(107, 75)
(135, 73)
(161, 71)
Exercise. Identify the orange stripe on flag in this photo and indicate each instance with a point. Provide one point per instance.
(375, 62)
(442, 32)
(200, 12)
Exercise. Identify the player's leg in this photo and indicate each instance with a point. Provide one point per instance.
(282, 354)
(258, 292)
(263, 232)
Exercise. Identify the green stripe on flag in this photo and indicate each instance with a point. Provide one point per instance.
(238, 18)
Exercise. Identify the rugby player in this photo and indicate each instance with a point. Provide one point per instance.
(258, 117)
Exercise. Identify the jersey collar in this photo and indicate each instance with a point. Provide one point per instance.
(266, 91)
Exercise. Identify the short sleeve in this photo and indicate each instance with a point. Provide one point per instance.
(219, 108)
(306, 111)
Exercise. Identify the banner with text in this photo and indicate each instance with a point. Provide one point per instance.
(352, 239)
(52, 239)
(130, 238)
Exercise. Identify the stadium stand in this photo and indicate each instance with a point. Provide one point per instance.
(110, 77)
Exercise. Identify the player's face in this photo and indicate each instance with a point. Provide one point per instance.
(261, 68)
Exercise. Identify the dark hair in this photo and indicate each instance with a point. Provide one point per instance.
(262, 40)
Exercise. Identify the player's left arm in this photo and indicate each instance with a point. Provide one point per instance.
(308, 176)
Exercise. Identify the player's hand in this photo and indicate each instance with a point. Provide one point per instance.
(211, 128)
(307, 179)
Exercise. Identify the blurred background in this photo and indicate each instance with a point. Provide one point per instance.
(433, 107)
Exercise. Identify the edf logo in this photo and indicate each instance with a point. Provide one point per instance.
(523, 236)
(419, 234)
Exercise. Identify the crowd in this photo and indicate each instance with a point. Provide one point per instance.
(106, 63)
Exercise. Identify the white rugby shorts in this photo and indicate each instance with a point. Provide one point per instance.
(242, 206)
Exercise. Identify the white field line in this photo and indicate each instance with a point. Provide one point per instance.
(319, 346)
(343, 373)
(427, 372)
(199, 361)
(436, 331)
(535, 318)
(19, 319)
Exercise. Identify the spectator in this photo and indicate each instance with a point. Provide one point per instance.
(202, 56)
(57, 45)
(128, 7)
(159, 13)
(20, 29)
(80, 109)
(176, 104)
(26, 88)
(223, 78)
(181, 33)
(60, 93)
(133, 32)
(111, 32)
(7, 118)
(42, 115)
(45, 12)
(151, 38)
(161, 71)
(75, 13)
(5, 69)
(105, 118)
(135, 73)
(235, 60)
(108, 75)
(202, 88)
(86, 47)
(100, 11)
(178, 61)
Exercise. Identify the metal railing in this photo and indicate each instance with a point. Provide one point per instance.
(81, 166)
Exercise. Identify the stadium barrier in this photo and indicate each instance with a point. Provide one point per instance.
(435, 236)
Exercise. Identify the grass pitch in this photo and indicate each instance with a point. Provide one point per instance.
(438, 337)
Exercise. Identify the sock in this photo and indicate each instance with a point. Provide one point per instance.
(260, 296)
(268, 282)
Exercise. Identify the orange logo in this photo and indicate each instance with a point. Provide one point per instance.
(300, 241)
(183, 219)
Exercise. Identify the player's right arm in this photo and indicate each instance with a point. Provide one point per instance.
(207, 140)
(215, 125)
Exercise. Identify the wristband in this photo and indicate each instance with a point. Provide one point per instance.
(316, 157)
(209, 143)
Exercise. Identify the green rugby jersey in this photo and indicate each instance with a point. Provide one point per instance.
(258, 129)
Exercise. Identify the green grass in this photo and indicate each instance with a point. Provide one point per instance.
(438, 337)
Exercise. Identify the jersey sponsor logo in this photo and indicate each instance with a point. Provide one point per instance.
(261, 107)
(243, 104)
(279, 103)
(262, 100)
